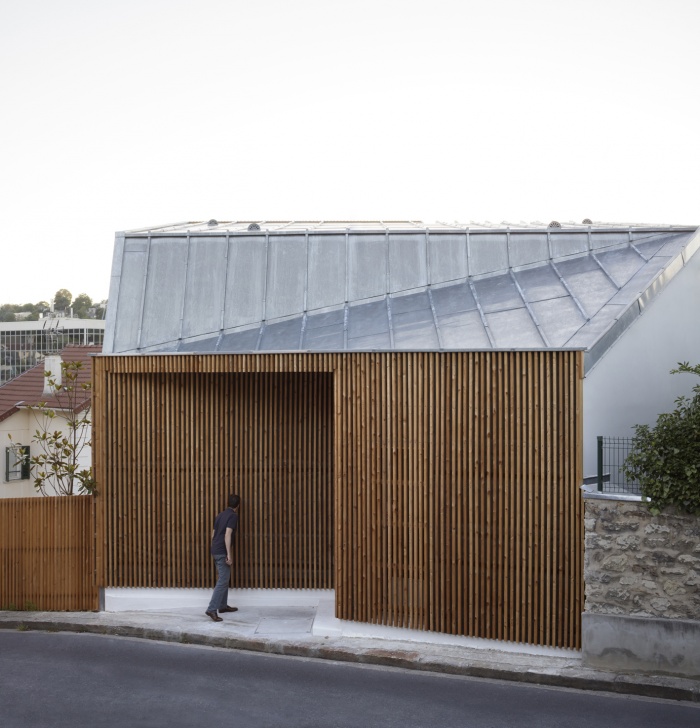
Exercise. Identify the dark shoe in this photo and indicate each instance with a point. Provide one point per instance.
(214, 616)
(228, 609)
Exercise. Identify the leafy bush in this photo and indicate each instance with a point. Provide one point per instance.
(665, 459)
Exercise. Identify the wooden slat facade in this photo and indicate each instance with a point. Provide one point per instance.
(48, 554)
(437, 491)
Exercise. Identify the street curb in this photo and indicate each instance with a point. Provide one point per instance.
(651, 686)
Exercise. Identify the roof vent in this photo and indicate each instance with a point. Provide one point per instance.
(212, 223)
(586, 221)
(554, 224)
(253, 226)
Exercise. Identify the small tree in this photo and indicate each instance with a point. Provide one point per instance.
(665, 459)
(57, 465)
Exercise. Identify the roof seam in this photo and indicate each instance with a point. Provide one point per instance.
(586, 317)
(534, 318)
(484, 322)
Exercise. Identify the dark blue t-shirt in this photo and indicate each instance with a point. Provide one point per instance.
(225, 519)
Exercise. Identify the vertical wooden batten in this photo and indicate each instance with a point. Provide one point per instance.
(432, 490)
(48, 549)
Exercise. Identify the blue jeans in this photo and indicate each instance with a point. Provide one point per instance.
(220, 596)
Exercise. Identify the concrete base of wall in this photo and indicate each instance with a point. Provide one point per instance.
(157, 600)
(320, 601)
(639, 644)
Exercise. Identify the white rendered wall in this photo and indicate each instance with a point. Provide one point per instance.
(22, 426)
(19, 425)
(631, 384)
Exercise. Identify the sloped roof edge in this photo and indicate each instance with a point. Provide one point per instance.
(506, 290)
(635, 309)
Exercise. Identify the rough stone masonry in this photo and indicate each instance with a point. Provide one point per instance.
(641, 565)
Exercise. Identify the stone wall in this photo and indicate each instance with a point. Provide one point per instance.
(641, 565)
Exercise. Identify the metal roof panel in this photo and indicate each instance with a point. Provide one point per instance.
(488, 253)
(286, 276)
(205, 286)
(464, 331)
(410, 302)
(328, 318)
(621, 264)
(161, 319)
(245, 340)
(407, 262)
(327, 338)
(410, 319)
(528, 249)
(246, 278)
(207, 344)
(588, 282)
(129, 295)
(514, 329)
(380, 341)
(452, 299)
(327, 258)
(282, 336)
(367, 274)
(368, 319)
(540, 283)
(564, 245)
(497, 294)
(559, 319)
(447, 256)
(419, 336)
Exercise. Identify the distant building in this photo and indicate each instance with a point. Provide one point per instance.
(25, 343)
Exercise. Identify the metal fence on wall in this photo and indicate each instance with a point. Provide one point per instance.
(612, 453)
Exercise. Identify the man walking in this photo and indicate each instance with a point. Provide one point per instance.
(222, 551)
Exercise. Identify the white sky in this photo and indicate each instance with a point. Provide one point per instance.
(123, 114)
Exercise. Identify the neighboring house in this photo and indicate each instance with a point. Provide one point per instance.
(25, 343)
(408, 411)
(30, 388)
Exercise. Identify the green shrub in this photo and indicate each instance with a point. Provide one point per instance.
(665, 459)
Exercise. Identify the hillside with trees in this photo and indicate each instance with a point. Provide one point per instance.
(82, 307)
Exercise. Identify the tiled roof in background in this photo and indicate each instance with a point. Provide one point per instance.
(28, 388)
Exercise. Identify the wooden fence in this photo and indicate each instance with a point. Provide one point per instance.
(438, 491)
(48, 553)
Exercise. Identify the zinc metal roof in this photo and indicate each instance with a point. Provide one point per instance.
(360, 286)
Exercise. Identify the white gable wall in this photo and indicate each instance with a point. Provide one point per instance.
(632, 384)
(22, 425)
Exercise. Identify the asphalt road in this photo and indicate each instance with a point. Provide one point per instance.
(54, 679)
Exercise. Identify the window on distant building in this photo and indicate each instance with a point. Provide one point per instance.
(17, 462)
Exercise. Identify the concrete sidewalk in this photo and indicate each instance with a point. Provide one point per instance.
(311, 630)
